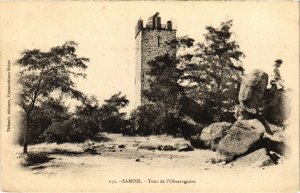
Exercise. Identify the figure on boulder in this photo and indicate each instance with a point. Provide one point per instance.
(277, 82)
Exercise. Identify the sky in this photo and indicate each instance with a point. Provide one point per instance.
(105, 31)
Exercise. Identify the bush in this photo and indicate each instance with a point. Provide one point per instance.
(110, 116)
(144, 121)
(172, 124)
(35, 158)
(114, 124)
(49, 111)
(149, 119)
(73, 131)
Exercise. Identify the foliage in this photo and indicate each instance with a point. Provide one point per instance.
(164, 86)
(180, 43)
(164, 92)
(35, 158)
(89, 119)
(148, 119)
(214, 71)
(111, 117)
(42, 73)
(72, 131)
(209, 73)
(87, 115)
(49, 111)
(144, 120)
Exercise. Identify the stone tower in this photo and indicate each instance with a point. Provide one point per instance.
(151, 40)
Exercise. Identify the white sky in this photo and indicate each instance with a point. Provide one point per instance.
(105, 33)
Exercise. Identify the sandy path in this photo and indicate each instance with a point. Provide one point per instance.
(70, 159)
(75, 170)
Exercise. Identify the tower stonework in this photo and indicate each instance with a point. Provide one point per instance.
(151, 40)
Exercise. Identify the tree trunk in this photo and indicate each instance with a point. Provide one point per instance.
(25, 143)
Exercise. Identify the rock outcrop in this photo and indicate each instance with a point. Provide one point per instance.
(194, 110)
(256, 100)
(252, 91)
(251, 140)
(242, 137)
(211, 135)
(278, 101)
(258, 158)
(189, 127)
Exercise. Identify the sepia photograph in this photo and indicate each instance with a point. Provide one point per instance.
(149, 96)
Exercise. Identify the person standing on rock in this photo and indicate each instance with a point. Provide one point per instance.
(277, 82)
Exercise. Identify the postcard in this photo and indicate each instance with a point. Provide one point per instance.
(149, 96)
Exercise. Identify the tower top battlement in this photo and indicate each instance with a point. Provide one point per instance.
(154, 22)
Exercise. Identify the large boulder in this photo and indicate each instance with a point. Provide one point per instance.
(258, 158)
(277, 141)
(278, 101)
(211, 135)
(242, 137)
(194, 110)
(189, 127)
(252, 91)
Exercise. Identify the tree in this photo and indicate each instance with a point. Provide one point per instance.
(84, 124)
(145, 120)
(88, 117)
(112, 120)
(165, 87)
(214, 71)
(42, 73)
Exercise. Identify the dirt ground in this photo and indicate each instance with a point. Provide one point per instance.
(121, 158)
(120, 153)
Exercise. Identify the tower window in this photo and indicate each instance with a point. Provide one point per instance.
(158, 41)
